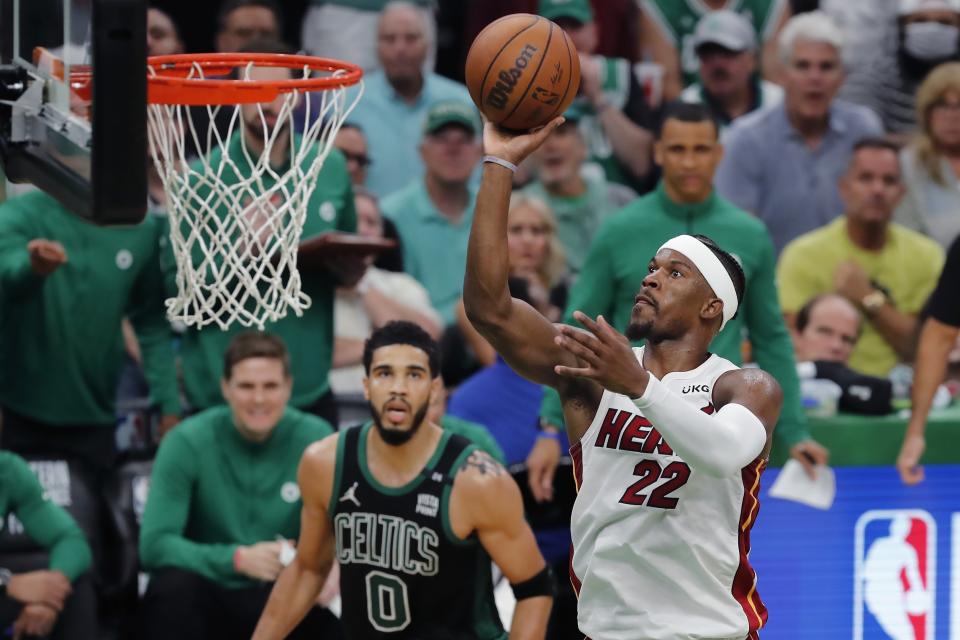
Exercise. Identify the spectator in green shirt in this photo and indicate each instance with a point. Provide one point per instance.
(60, 599)
(224, 506)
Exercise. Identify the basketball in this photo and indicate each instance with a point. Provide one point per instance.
(522, 71)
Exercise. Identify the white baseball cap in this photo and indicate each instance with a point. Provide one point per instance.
(912, 6)
(727, 29)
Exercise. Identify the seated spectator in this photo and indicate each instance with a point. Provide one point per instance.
(537, 271)
(224, 504)
(397, 97)
(347, 30)
(885, 270)
(615, 121)
(163, 38)
(379, 297)
(827, 329)
(244, 21)
(931, 163)
(937, 338)
(726, 47)
(782, 164)
(352, 143)
(434, 212)
(579, 195)
(667, 30)
(927, 34)
(57, 602)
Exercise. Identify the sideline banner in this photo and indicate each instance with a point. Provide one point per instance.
(882, 562)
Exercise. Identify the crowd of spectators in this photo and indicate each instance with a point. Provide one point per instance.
(820, 146)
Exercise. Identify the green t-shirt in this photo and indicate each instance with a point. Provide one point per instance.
(44, 522)
(309, 338)
(907, 268)
(212, 490)
(617, 265)
(63, 365)
(678, 19)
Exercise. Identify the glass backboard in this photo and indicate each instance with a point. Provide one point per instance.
(73, 110)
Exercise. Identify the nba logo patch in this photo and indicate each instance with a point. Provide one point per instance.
(895, 575)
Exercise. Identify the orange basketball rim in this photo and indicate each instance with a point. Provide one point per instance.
(216, 78)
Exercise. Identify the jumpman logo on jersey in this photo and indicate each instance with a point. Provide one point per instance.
(350, 495)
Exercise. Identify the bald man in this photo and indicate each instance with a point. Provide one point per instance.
(826, 331)
(397, 97)
(827, 328)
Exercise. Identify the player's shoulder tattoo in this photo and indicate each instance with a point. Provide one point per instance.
(484, 463)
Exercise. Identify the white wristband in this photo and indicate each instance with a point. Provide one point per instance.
(500, 161)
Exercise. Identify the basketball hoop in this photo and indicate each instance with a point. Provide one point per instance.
(235, 222)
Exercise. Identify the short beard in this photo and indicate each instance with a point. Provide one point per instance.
(638, 330)
(644, 330)
(394, 437)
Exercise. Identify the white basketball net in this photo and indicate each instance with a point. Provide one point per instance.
(235, 223)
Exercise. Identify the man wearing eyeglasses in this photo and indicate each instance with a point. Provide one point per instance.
(352, 142)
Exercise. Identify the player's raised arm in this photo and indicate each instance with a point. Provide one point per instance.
(299, 584)
(487, 497)
(516, 330)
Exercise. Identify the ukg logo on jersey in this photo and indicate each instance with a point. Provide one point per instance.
(895, 575)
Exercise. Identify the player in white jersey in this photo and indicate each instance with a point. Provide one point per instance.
(669, 440)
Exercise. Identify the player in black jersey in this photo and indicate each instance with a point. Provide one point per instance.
(413, 515)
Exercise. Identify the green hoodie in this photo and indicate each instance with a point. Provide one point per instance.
(212, 490)
(617, 264)
(47, 524)
(62, 351)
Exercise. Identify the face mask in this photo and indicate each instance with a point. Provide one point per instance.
(931, 40)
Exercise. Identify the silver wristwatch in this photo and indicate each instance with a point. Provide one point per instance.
(5, 576)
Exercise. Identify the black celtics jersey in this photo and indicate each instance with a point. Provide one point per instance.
(403, 571)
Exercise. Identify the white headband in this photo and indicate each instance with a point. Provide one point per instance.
(704, 259)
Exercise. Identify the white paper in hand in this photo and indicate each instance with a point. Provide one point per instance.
(793, 483)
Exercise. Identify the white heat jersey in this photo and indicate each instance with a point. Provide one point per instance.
(660, 550)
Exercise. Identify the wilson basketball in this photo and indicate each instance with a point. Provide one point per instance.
(522, 71)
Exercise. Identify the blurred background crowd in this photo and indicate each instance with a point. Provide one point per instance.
(834, 180)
